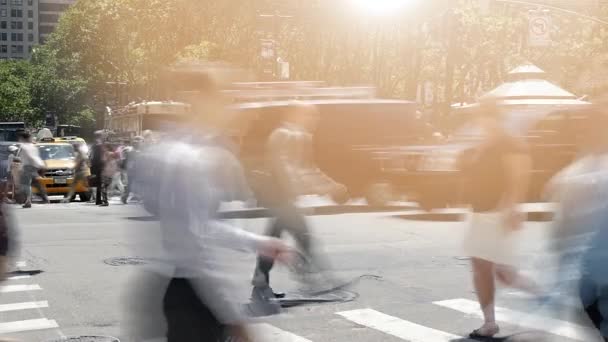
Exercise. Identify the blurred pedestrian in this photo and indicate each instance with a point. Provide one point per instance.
(32, 166)
(499, 170)
(581, 226)
(130, 157)
(291, 172)
(109, 173)
(113, 170)
(189, 281)
(79, 172)
(97, 165)
(10, 181)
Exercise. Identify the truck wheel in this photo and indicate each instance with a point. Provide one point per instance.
(379, 194)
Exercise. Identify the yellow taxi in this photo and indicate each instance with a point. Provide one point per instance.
(78, 143)
(59, 159)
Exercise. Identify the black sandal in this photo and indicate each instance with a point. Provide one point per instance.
(477, 336)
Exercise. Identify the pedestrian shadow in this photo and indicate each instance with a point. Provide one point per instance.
(143, 218)
(22, 273)
(526, 336)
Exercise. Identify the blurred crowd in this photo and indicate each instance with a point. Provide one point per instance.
(186, 175)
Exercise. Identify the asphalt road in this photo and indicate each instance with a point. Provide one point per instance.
(420, 289)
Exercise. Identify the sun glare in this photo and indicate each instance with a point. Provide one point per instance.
(381, 7)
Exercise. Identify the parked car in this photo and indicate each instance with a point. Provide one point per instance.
(348, 134)
(429, 173)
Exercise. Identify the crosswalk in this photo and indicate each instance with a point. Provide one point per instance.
(406, 330)
(31, 309)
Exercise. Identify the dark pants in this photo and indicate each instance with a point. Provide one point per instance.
(97, 182)
(188, 318)
(594, 297)
(287, 218)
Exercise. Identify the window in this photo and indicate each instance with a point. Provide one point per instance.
(3, 36)
(3, 12)
(30, 13)
(17, 2)
(3, 24)
(17, 37)
(3, 48)
(16, 13)
(16, 25)
(30, 25)
(30, 37)
(30, 2)
(2, 2)
(30, 49)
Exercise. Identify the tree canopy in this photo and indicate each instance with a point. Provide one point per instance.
(100, 44)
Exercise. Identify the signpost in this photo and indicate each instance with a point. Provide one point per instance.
(539, 29)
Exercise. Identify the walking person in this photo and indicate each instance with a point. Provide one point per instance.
(131, 156)
(79, 171)
(108, 175)
(32, 166)
(499, 170)
(188, 284)
(581, 228)
(291, 172)
(97, 165)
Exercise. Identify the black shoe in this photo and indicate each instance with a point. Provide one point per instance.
(104, 204)
(123, 200)
(27, 206)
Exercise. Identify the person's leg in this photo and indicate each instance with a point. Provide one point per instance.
(41, 189)
(105, 183)
(125, 195)
(510, 276)
(483, 280)
(188, 319)
(26, 187)
(261, 277)
(77, 179)
(98, 186)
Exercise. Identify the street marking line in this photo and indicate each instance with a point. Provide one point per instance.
(21, 264)
(270, 333)
(19, 288)
(19, 277)
(397, 327)
(524, 319)
(27, 325)
(23, 306)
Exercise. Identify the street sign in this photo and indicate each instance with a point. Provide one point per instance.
(539, 29)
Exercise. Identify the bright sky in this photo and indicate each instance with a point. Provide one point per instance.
(381, 7)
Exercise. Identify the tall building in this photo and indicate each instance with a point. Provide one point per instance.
(26, 23)
(18, 28)
(49, 12)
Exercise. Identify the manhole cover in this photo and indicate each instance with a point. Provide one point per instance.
(86, 339)
(125, 261)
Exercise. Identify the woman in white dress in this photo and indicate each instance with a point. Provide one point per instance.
(499, 169)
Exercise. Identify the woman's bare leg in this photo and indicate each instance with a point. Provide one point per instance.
(483, 279)
(511, 277)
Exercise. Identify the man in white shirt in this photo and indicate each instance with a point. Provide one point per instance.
(189, 277)
(32, 164)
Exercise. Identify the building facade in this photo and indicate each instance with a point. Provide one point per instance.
(26, 23)
(49, 12)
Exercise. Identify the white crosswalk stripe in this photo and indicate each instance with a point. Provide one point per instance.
(397, 327)
(19, 277)
(19, 288)
(27, 325)
(271, 333)
(21, 264)
(23, 306)
(523, 319)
